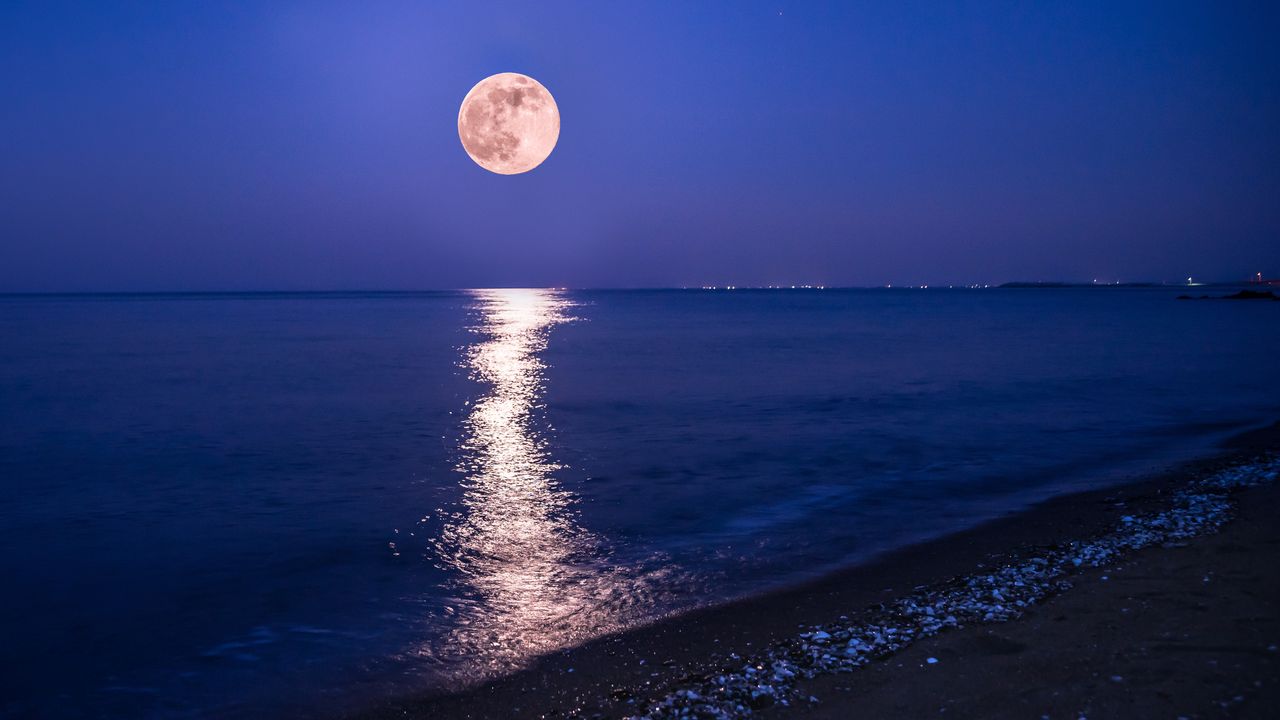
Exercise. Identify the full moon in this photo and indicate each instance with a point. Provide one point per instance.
(508, 123)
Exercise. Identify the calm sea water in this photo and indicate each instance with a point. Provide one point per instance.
(253, 505)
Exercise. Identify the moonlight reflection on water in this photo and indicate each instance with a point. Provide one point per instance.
(529, 579)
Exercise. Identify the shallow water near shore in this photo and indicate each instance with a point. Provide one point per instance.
(259, 504)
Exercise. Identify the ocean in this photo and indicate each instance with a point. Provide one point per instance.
(249, 505)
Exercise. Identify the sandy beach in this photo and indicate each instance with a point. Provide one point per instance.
(1186, 628)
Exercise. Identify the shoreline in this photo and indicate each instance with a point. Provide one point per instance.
(626, 673)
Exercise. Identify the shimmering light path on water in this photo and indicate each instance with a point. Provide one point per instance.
(529, 578)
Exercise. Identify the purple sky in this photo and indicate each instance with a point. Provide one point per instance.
(309, 145)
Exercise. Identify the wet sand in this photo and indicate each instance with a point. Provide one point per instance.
(1187, 630)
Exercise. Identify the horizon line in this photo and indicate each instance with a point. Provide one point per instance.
(1010, 284)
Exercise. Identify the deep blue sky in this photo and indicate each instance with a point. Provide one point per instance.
(309, 145)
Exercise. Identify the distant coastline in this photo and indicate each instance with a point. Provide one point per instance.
(1215, 284)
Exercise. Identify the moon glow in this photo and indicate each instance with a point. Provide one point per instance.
(508, 123)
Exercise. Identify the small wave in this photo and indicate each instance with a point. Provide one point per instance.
(259, 636)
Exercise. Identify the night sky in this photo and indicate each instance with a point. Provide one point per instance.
(308, 145)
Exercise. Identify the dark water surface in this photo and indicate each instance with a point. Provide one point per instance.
(262, 504)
